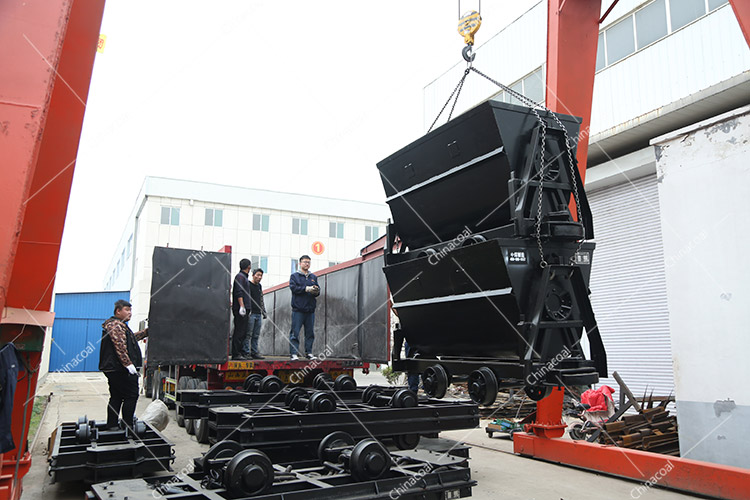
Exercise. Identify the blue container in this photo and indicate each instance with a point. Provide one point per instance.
(77, 331)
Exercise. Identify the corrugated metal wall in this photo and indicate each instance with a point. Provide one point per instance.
(628, 286)
(77, 330)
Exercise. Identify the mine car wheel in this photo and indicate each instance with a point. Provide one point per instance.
(404, 398)
(329, 447)
(323, 381)
(369, 460)
(344, 382)
(483, 386)
(369, 392)
(252, 382)
(271, 383)
(435, 381)
(321, 402)
(406, 441)
(537, 392)
(222, 449)
(249, 473)
(294, 394)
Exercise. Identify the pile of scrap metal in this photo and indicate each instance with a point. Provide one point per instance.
(488, 267)
(513, 405)
(87, 451)
(344, 469)
(652, 429)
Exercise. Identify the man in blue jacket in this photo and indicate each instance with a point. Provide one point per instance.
(305, 288)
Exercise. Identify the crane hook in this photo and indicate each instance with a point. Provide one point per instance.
(468, 53)
(468, 25)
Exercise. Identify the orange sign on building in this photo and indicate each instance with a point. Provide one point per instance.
(318, 248)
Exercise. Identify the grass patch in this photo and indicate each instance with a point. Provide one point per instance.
(393, 377)
(40, 403)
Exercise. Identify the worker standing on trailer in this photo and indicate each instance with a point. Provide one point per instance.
(119, 359)
(305, 288)
(256, 316)
(240, 302)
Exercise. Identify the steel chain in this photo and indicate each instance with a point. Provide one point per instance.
(534, 104)
(458, 88)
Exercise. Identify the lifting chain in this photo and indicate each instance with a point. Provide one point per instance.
(468, 25)
(532, 104)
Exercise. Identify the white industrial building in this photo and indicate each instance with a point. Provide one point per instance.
(271, 228)
(661, 65)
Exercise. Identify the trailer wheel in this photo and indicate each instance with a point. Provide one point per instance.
(148, 382)
(182, 384)
(193, 383)
(201, 430)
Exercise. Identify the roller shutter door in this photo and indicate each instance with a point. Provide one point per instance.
(628, 286)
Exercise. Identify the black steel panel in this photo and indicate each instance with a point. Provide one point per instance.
(474, 197)
(283, 321)
(341, 291)
(190, 297)
(267, 329)
(320, 343)
(373, 312)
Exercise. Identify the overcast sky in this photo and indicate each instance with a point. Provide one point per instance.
(297, 96)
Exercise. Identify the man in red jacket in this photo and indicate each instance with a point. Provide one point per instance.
(119, 359)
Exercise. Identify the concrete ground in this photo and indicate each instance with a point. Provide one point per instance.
(499, 473)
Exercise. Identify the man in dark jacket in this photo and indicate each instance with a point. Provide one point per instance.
(304, 286)
(240, 303)
(257, 314)
(119, 359)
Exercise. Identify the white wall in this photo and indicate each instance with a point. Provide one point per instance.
(704, 188)
(704, 53)
(278, 243)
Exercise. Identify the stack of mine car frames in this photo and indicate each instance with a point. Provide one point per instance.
(86, 451)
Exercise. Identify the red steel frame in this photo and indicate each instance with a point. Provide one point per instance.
(572, 34)
(47, 50)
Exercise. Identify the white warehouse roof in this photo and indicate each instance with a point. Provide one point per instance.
(277, 200)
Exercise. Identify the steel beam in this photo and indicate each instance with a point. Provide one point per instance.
(47, 51)
(572, 34)
(742, 12)
(693, 476)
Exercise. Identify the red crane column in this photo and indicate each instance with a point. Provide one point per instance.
(47, 50)
(572, 34)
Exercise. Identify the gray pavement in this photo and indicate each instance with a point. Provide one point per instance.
(500, 474)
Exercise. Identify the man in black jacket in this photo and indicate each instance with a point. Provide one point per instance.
(304, 286)
(256, 315)
(240, 303)
(119, 359)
